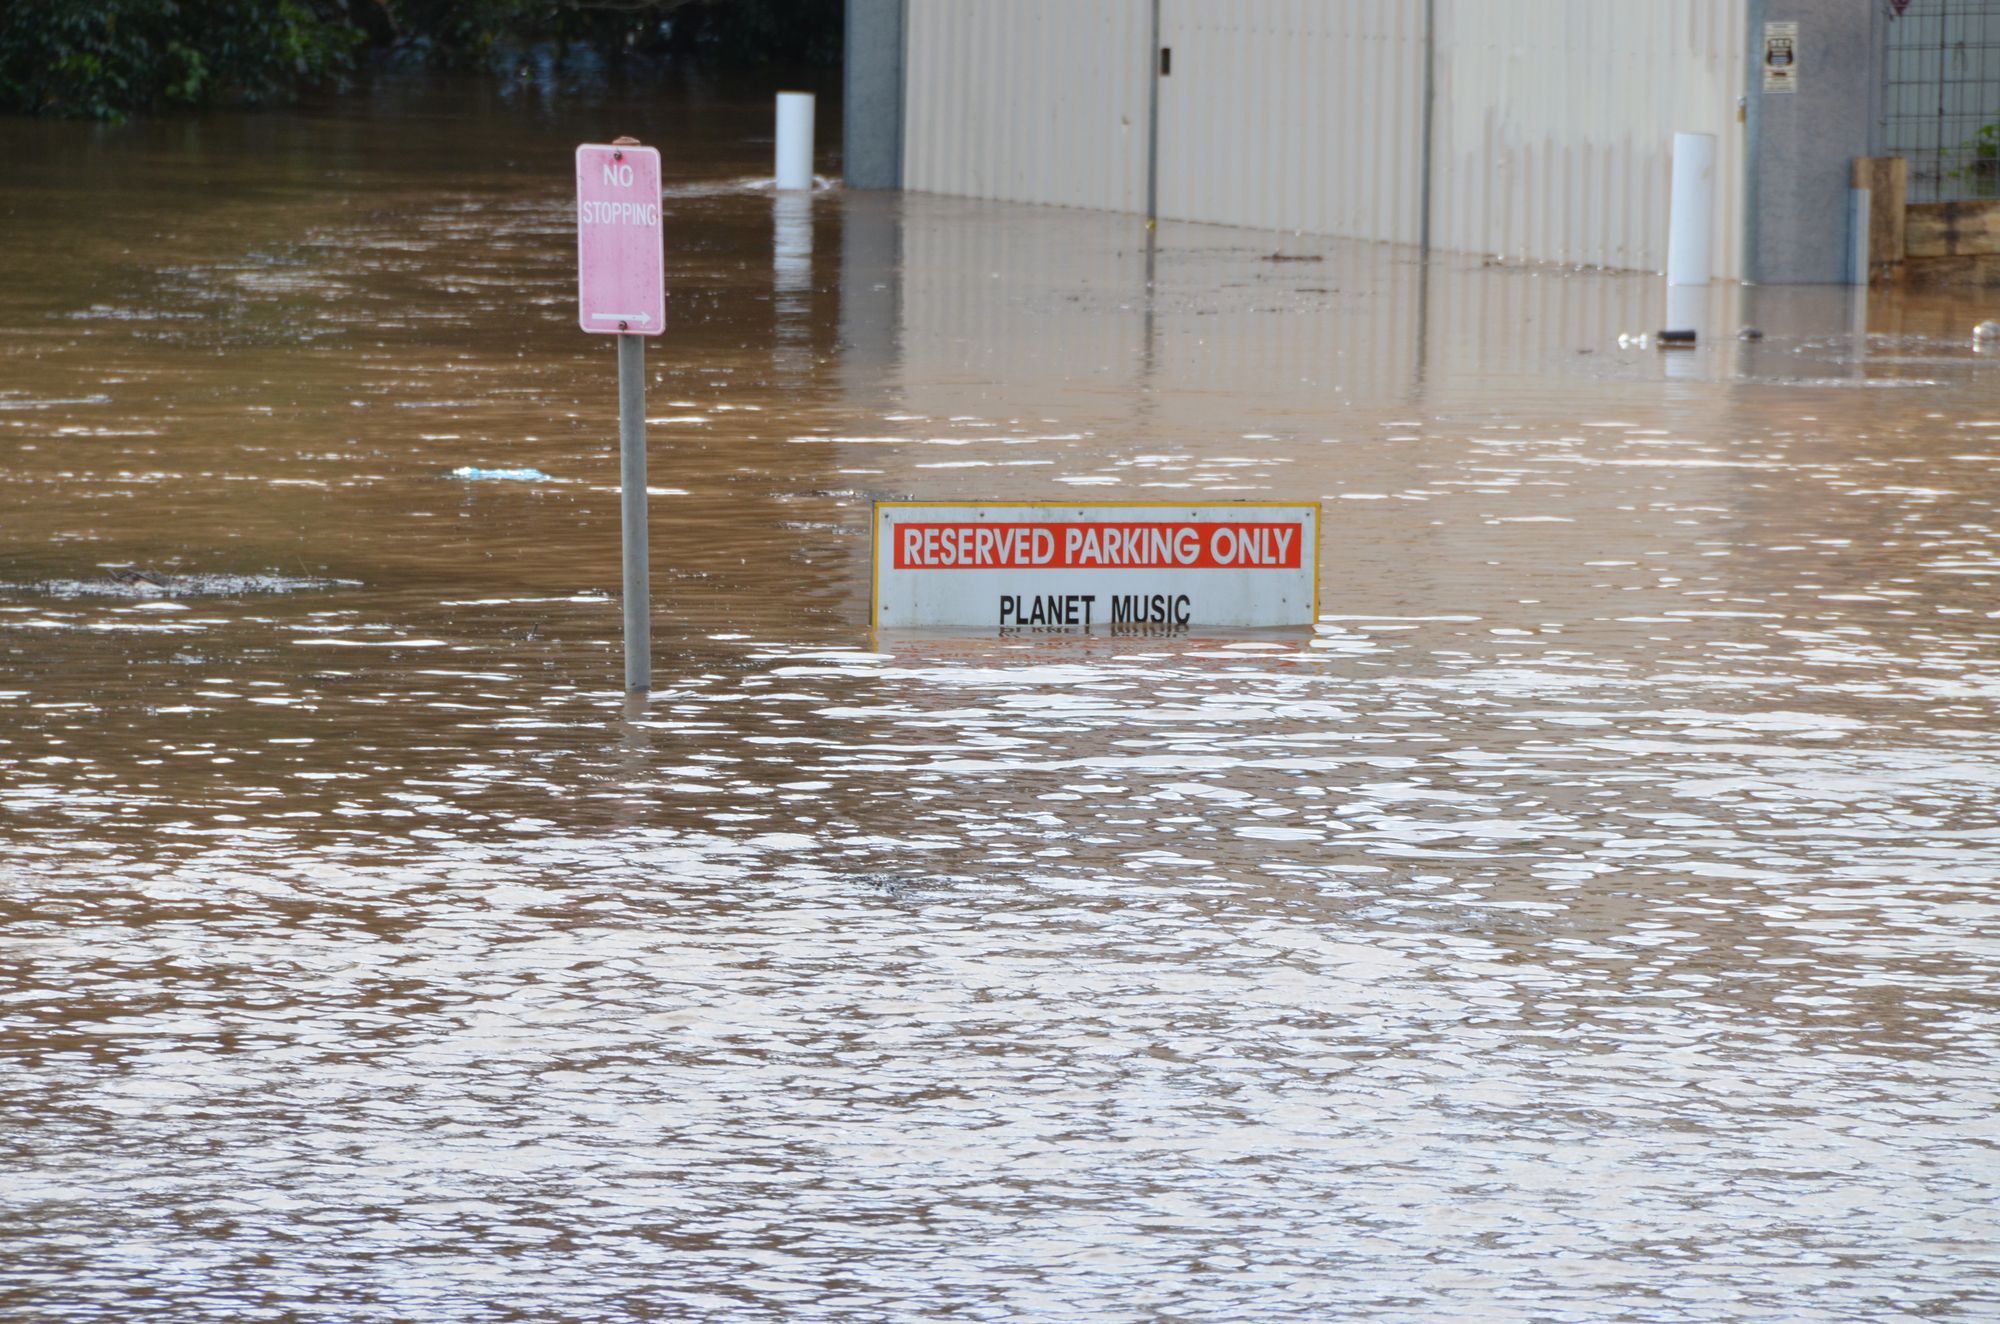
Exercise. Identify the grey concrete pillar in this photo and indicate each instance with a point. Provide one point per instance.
(1801, 144)
(872, 125)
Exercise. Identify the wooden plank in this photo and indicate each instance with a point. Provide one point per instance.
(1948, 274)
(1953, 229)
(1887, 179)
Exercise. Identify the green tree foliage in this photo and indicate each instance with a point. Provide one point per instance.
(111, 58)
(795, 32)
(465, 33)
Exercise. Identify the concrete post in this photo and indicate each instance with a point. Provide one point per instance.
(872, 102)
(1801, 142)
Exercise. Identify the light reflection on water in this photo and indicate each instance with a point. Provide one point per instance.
(1592, 918)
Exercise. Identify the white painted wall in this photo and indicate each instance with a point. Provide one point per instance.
(1553, 134)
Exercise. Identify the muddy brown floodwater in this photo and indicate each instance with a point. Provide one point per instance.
(1593, 918)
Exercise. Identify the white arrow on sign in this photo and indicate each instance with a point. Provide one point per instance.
(640, 318)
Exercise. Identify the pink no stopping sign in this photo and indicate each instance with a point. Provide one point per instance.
(620, 267)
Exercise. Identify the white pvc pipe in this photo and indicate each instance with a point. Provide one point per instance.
(1687, 310)
(1691, 213)
(795, 140)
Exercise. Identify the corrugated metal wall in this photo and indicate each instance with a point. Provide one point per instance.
(1553, 126)
(1294, 115)
(1028, 100)
(1555, 122)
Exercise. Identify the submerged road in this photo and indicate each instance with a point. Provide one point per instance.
(1594, 917)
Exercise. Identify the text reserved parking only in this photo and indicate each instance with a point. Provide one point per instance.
(1037, 566)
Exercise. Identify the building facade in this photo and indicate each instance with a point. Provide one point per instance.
(1535, 131)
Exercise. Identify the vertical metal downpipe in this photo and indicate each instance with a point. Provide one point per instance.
(1153, 124)
(1149, 344)
(1423, 347)
(902, 84)
(1430, 101)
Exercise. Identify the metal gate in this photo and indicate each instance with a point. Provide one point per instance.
(1941, 96)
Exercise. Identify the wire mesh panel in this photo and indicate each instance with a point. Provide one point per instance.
(1942, 96)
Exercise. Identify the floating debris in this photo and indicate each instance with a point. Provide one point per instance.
(899, 885)
(722, 188)
(1675, 340)
(1986, 335)
(473, 473)
(152, 584)
(1749, 333)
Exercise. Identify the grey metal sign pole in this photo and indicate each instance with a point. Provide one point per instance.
(632, 512)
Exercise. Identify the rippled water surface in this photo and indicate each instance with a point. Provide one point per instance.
(1593, 918)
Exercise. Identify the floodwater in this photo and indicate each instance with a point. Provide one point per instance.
(1593, 918)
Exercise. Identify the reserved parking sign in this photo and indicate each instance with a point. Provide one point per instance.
(1095, 566)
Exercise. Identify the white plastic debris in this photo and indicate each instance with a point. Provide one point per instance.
(500, 475)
